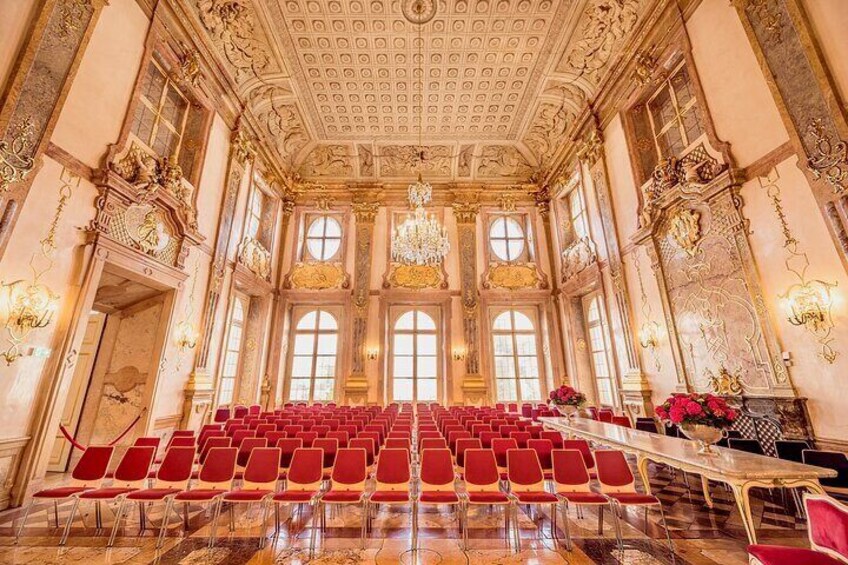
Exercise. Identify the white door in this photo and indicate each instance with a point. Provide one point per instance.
(76, 392)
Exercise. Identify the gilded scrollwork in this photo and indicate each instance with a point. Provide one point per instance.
(255, 257)
(415, 277)
(318, 276)
(502, 161)
(232, 25)
(577, 257)
(402, 160)
(830, 160)
(685, 228)
(16, 160)
(329, 160)
(511, 277)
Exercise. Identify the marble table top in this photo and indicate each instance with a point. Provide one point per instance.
(726, 462)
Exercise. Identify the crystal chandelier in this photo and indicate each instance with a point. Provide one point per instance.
(420, 239)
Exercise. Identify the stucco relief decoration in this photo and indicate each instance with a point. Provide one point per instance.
(511, 277)
(577, 257)
(188, 70)
(415, 277)
(502, 161)
(685, 228)
(830, 160)
(318, 276)
(282, 120)
(725, 383)
(366, 161)
(146, 229)
(231, 23)
(466, 156)
(72, 14)
(16, 160)
(404, 160)
(548, 128)
(330, 161)
(255, 257)
(769, 15)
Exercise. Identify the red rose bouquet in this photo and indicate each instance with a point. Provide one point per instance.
(567, 396)
(697, 409)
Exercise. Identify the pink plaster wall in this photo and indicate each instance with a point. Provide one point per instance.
(829, 19)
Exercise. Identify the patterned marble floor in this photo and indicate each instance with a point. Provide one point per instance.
(700, 536)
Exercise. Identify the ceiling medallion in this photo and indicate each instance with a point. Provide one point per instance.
(418, 12)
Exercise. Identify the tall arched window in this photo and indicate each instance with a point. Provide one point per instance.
(313, 361)
(597, 329)
(415, 358)
(517, 373)
(232, 351)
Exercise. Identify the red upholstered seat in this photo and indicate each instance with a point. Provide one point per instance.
(295, 496)
(495, 497)
(633, 498)
(536, 497)
(389, 496)
(152, 493)
(583, 497)
(199, 494)
(105, 493)
(439, 497)
(343, 496)
(778, 555)
(246, 495)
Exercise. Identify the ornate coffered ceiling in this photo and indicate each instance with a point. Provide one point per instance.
(334, 83)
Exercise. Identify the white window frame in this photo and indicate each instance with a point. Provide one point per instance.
(434, 313)
(254, 212)
(298, 313)
(579, 219)
(527, 251)
(691, 106)
(600, 329)
(232, 323)
(536, 332)
(156, 106)
(309, 220)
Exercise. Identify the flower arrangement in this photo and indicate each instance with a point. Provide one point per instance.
(697, 409)
(567, 396)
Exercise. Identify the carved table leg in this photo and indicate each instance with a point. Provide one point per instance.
(708, 498)
(642, 465)
(743, 503)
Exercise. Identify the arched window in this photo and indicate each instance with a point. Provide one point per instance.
(517, 372)
(323, 238)
(596, 327)
(232, 349)
(313, 360)
(415, 358)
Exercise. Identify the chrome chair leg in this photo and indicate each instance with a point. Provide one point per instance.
(617, 524)
(70, 521)
(312, 533)
(213, 528)
(566, 526)
(169, 504)
(56, 513)
(216, 512)
(600, 520)
(515, 532)
(414, 526)
(263, 535)
(142, 518)
(364, 525)
(232, 514)
(118, 516)
(24, 519)
(667, 534)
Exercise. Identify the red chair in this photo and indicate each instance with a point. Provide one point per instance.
(582, 446)
(262, 430)
(828, 533)
(500, 446)
(209, 444)
(622, 421)
(436, 485)
(183, 433)
(367, 444)
(145, 441)
(398, 443)
(462, 445)
(617, 483)
(535, 431)
(341, 436)
(240, 435)
(222, 414)
(486, 438)
(246, 447)
(347, 485)
(527, 486)
(554, 437)
(171, 478)
(375, 437)
(321, 430)
(605, 415)
(87, 475)
(543, 449)
(259, 484)
(129, 476)
(521, 438)
(307, 437)
(572, 485)
(330, 447)
(292, 429)
(392, 479)
(432, 443)
(482, 487)
(215, 478)
(287, 448)
(305, 476)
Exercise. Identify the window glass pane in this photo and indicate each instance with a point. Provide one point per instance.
(402, 366)
(238, 311)
(513, 229)
(405, 322)
(499, 248)
(530, 389)
(426, 367)
(594, 314)
(325, 366)
(333, 228)
(498, 229)
(327, 344)
(302, 366)
(315, 248)
(331, 247)
(226, 395)
(327, 321)
(692, 124)
(299, 389)
(304, 344)
(525, 344)
(503, 322)
(528, 367)
(506, 389)
(605, 392)
(427, 390)
(426, 344)
(503, 344)
(324, 389)
(402, 389)
(514, 248)
(403, 344)
(425, 322)
(307, 322)
(522, 321)
(316, 228)
(504, 367)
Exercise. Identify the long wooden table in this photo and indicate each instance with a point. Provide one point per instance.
(742, 471)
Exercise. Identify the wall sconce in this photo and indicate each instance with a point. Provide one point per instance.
(459, 353)
(649, 335)
(186, 335)
(24, 306)
(371, 353)
(808, 304)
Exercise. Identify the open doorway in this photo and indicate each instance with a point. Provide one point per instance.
(117, 364)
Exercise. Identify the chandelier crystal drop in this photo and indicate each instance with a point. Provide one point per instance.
(420, 239)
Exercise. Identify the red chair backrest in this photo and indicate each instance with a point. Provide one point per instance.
(183, 433)
(176, 465)
(462, 445)
(436, 469)
(287, 448)
(262, 466)
(622, 421)
(221, 441)
(239, 411)
(481, 468)
(393, 466)
(521, 438)
(500, 446)
(453, 437)
(147, 442)
(321, 430)
(307, 437)
(570, 469)
(330, 447)
(247, 446)
(274, 437)
(535, 431)
(307, 466)
(613, 469)
(582, 446)
(342, 437)
(828, 529)
(398, 443)
(262, 430)
(254, 409)
(373, 436)
(351, 467)
(432, 443)
(135, 464)
(241, 435)
(523, 467)
(293, 429)
(554, 437)
(365, 443)
(222, 414)
(181, 441)
(93, 464)
(220, 465)
(605, 416)
(543, 449)
(486, 438)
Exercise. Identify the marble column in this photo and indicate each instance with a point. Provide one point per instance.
(35, 95)
(474, 385)
(802, 86)
(356, 386)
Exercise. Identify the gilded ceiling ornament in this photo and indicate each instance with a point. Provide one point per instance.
(415, 276)
(591, 147)
(329, 160)
(233, 29)
(418, 12)
(71, 15)
(605, 24)
(318, 276)
(685, 228)
(725, 383)
(549, 126)
(511, 277)
(242, 146)
(189, 65)
(282, 120)
(404, 160)
(831, 159)
(645, 65)
(15, 159)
